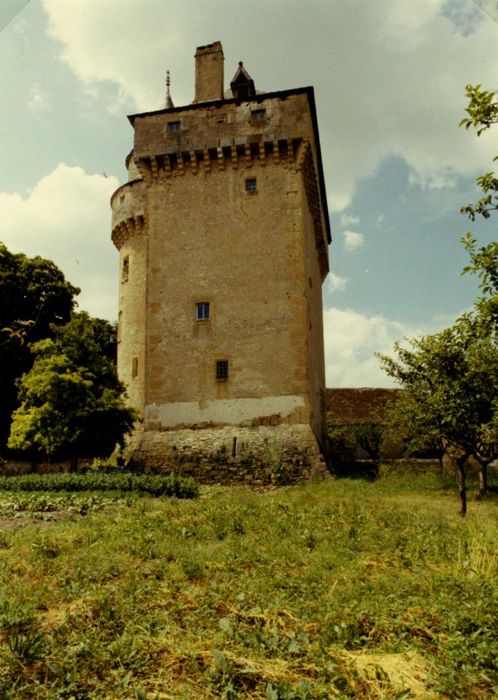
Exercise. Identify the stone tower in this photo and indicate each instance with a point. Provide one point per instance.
(223, 232)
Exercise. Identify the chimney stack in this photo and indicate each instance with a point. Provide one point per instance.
(209, 72)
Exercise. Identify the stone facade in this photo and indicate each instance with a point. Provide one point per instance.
(223, 232)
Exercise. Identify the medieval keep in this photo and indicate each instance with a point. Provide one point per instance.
(223, 231)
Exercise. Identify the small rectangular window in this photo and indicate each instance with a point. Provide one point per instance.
(251, 185)
(202, 309)
(258, 115)
(134, 367)
(221, 370)
(125, 269)
(174, 127)
(120, 326)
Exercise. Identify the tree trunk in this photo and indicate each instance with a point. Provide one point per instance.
(483, 478)
(460, 462)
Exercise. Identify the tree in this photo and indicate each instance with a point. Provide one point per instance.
(483, 114)
(449, 396)
(34, 295)
(449, 380)
(72, 402)
(345, 439)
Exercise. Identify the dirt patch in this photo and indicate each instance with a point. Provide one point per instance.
(400, 671)
(11, 521)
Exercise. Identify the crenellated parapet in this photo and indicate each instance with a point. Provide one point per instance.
(231, 153)
(128, 211)
(133, 226)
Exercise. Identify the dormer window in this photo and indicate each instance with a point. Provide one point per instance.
(242, 85)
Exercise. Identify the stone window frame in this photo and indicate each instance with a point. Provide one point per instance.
(202, 311)
(125, 269)
(222, 370)
(259, 115)
(251, 185)
(134, 367)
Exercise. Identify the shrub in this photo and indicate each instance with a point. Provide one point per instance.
(171, 485)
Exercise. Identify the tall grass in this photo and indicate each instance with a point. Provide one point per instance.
(342, 589)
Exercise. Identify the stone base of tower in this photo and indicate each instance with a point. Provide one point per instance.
(269, 454)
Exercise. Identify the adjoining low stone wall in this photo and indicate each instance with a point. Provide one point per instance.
(261, 455)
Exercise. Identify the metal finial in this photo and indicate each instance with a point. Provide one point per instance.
(169, 101)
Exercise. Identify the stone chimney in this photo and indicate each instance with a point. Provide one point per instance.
(209, 72)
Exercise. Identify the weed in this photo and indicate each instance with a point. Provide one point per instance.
(25, 647)
(192, 568)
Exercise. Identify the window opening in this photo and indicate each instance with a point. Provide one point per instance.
(258, 115)
(202, 309)
(125, 269)
(174, 127)
(222, 370)
(251, 185)
(134, 367)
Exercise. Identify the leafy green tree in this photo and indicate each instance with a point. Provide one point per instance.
(483, 114)
(72, 402)
(449, 380)
(345, 439)
(449, 396)
(33, 295)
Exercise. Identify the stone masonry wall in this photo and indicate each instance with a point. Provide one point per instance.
(229, 213)
(231, 454)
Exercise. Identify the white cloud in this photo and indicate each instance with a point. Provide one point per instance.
(352, 240)
(349, 220)
(336, 283)
(384, 87)
(351, 341)
(66, 218)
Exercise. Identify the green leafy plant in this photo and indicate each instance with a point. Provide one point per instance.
(171, 485)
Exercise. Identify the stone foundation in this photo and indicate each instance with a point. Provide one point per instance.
(282, 454)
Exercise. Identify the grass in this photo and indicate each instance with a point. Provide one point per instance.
(343, 589)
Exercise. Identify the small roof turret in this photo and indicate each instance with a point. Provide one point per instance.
(242, 85)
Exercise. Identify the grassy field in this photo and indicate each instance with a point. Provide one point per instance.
(342, 589)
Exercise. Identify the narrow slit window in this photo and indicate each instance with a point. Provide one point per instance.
(222, 370)
(134, 367)
(251, 185)
(202, 311)
(174, 127)
(125, 269)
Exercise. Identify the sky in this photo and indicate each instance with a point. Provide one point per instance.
(389, 79)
